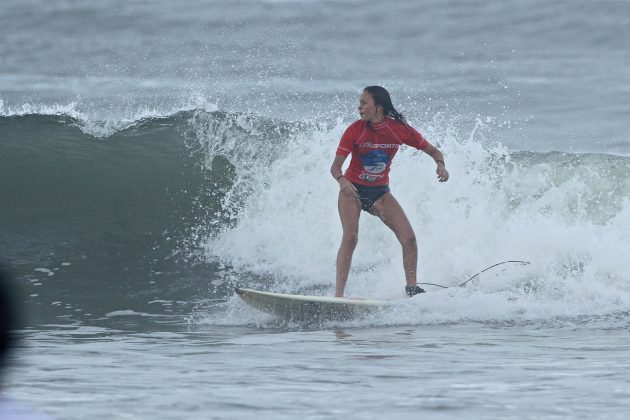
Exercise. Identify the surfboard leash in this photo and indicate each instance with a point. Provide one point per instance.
(482, 271)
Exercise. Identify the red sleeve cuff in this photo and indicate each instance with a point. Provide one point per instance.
(341, 151)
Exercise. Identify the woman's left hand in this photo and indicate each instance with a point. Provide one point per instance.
(442, 173)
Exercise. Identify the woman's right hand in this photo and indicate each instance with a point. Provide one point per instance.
(346, 186)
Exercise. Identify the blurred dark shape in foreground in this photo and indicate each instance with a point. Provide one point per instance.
(10, 322)
(8, 317)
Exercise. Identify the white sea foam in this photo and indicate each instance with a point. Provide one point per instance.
(557, 211)
(103, 122)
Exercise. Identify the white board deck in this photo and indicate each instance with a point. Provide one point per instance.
(309, 308)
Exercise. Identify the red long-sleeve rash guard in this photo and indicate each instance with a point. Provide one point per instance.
(373, 147)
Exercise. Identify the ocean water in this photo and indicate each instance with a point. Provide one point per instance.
(155, 155)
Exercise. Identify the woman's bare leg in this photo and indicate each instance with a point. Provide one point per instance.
(392, 214)
(349, 212)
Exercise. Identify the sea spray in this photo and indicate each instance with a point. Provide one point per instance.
(561, 211)
(212, 199)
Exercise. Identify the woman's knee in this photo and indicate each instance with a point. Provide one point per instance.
(408, 239)
(350, 239)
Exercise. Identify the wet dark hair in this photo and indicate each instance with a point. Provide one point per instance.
(381, 97)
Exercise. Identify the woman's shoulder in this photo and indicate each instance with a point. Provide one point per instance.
(392, 122)
(399, 126)
(356, 127)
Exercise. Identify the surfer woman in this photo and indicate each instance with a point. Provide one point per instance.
(373, 141)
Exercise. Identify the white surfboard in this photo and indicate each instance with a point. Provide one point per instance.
(304, 308)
